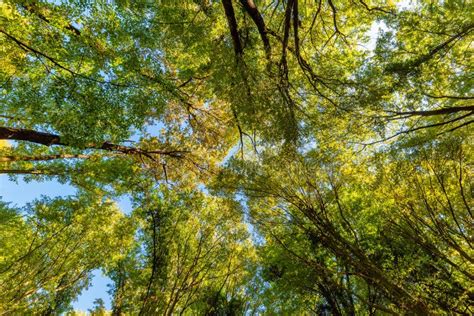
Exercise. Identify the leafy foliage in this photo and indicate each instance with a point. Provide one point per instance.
(282, 157)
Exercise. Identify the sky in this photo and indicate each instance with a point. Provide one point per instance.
(19, 194)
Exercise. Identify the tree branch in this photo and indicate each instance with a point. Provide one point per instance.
(455, 97)
(257, 18)
(18, 171)
(42, 157)
(27, 48)
(412, 65)
(234, 32)
(48, 139)
(33, 9)
(441, 111)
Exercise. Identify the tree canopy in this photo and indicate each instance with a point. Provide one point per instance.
(282, 157)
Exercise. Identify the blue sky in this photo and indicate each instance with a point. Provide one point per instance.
(21, 193)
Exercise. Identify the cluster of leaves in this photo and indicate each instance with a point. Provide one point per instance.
(286, 158)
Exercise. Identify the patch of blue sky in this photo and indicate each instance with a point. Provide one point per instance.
(257, 239)
(19, 192)
(99, 289)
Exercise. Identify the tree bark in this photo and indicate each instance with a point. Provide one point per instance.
(48, 139)
(234, 32)
(257, 18)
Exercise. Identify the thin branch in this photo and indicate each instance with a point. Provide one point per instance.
(411, 65)
(18, 171)
(375, 8)
(426, 126)
(459, 126)
(42, 158)
(33, 9)
(26, 47)
(441, 111)
(448, 97)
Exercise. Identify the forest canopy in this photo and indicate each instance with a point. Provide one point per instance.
(282, 157)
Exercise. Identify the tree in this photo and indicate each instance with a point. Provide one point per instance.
(196, 251)
(51, 248)
(282, 156)
(99, 308)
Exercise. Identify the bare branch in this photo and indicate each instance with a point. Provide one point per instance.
(231, 21)
(19, 171)
(455, 97)
(257, 18)
(375, 8)
(441, 111)
(42, 158)
(48, 139)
